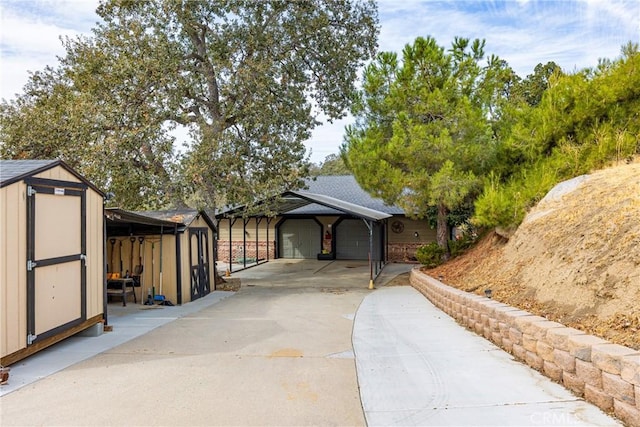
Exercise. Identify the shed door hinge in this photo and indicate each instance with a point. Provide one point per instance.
(31, 265)
(31, 338)
(30, 191)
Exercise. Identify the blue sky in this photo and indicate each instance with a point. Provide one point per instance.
(573, 33)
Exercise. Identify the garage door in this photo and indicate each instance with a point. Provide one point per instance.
(300, 238)
(352, 239)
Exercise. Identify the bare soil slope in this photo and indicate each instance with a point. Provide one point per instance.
(575, 258)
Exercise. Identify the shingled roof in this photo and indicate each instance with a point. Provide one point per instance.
(181, 216)
(345, 188)
(15, 170)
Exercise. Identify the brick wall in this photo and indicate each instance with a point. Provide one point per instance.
(398, 252)
(237, 253)
(403, 252)
(605, 374)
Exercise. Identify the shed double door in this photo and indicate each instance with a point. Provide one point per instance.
(199, 262)
(56, 257)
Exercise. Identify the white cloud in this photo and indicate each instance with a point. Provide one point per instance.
(30, 36)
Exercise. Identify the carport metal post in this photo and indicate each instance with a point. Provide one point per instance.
(268, 243)
(245, 221)
(369, 225)
(258, 221)
(231, 242)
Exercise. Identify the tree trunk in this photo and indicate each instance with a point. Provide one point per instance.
(442, 231)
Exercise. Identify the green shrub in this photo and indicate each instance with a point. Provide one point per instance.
(430, 255)
(457, 247)
(493, 206)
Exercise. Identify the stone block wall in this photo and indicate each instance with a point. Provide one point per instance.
(605, 374)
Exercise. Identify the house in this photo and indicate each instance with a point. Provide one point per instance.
(334, 218)
(51, 256)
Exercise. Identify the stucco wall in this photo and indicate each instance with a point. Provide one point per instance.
(404, 244)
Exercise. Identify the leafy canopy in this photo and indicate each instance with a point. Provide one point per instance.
(582, 122)
(423, 134)
(246, 79)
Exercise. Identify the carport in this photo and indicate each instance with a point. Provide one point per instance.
(372, 223)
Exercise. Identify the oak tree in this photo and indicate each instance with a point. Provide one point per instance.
(246, 80)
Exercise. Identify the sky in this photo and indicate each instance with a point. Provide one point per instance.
(572, 33)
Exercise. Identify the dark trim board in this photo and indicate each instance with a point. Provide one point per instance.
(47, 342)
(49, 187)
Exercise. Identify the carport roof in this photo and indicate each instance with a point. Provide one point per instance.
(292, 200)
(146, 222)
(121, 216)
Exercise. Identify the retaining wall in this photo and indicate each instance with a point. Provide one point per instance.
(605, 374)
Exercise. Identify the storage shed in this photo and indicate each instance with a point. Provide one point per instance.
(171, 252)
(51, 255)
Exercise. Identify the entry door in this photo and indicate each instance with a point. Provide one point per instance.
(199, 262)
(56, 257)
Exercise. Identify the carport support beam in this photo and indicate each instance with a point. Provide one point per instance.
(231, 222)
(268, 243)
(370, 227)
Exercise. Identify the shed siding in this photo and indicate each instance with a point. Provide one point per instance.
(95, 254)
(57, 173)
(150, 255)
(167, 286)
(184, 267)
(13, 257)
(13, 273)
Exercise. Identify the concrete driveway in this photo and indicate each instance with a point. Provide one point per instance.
(278, 352)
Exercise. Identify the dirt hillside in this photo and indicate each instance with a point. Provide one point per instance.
(575, 258)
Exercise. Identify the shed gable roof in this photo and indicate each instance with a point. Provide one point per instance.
(14, 170)
(182, 216)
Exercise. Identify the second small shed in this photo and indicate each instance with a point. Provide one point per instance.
(173, 250)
